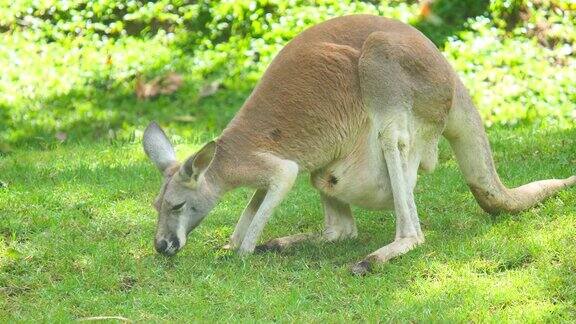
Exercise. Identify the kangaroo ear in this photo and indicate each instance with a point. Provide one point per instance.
(158, 147)
(199, 162)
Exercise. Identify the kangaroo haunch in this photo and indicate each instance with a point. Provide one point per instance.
(360, 102)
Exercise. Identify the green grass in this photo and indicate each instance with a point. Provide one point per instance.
(76, 216)
(76, 231)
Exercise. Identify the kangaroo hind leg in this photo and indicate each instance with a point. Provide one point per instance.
(400, 169)
(388, 94)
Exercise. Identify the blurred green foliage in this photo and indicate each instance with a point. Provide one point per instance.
(70, 65)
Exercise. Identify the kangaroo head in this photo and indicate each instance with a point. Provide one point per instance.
(186, 195)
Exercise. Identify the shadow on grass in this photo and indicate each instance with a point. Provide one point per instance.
(93, 114)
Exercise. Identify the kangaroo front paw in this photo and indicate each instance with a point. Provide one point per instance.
(232, 245)
(245, 249)
(228, 247)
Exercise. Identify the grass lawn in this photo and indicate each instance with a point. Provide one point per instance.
(76, 232)
(76, 190)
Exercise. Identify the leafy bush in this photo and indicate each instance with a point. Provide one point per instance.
(516, 56)
(515, 79)
(56, 20)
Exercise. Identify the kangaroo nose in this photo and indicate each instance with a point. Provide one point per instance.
(167, 247)
(161, 246)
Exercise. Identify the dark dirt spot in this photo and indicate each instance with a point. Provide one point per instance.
(13, 291)
(515, 263)
(333, 180)
(276, 134)
(127, 283)
(361, 268)
(6, 234)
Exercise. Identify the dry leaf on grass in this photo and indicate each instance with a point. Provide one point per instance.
(166, 84)
(170, 83)
(209, 89)
(185, 118)
(145, 90)
(61, 136)
(5, 148)
(104, 318)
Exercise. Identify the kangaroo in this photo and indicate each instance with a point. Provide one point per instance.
(360, 103)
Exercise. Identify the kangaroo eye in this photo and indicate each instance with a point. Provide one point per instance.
(178, 206)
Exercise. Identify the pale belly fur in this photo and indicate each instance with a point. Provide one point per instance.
(361, 177)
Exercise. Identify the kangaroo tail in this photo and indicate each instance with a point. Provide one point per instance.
(466, 135)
